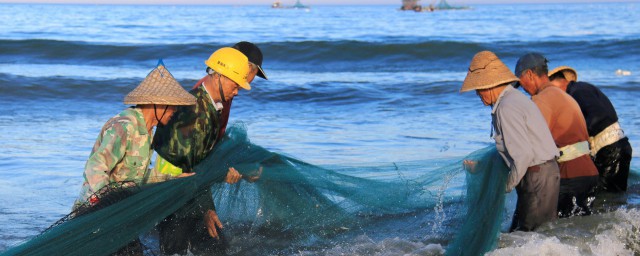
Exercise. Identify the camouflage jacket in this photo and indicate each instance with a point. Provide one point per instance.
(121, 153)
(189, 137)
(190, 134)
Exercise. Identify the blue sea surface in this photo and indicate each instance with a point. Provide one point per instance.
(348, 85)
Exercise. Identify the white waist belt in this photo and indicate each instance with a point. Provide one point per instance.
(606, 137)
(573, 151)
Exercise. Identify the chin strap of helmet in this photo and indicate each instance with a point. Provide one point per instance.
(211, 72)
(221, 92)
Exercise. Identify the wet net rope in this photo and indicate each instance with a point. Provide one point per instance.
(301, 201)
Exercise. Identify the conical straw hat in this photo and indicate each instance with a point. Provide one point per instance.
(159, 87)
(569, 73)
(486, 71)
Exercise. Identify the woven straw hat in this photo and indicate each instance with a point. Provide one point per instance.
(486, 71)
(159, 87)
(569, 73)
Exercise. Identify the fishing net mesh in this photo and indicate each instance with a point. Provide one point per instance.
(301, 201)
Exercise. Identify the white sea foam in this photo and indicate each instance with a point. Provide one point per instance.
(536, 244)
(614, 233)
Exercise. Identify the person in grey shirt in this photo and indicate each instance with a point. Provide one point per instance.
(522, 138)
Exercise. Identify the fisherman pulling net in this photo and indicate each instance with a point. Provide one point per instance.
(298, 201)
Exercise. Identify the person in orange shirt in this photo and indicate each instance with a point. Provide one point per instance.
(578, 174)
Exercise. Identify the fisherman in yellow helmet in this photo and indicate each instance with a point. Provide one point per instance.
(187, 139)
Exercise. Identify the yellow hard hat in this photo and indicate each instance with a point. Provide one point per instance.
(231, 63)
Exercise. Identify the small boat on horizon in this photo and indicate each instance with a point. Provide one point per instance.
(297, 5)
(412, 5)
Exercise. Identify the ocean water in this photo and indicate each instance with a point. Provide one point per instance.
(348, 86)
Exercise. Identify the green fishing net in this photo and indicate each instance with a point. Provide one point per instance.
(303, 203)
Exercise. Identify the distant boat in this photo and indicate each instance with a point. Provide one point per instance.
(297, 5)
(443, 5)
(412, 5)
